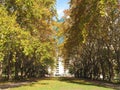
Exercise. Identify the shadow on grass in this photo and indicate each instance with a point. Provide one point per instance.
(91, 83)
(19, 83)
(15, 84)
(11, 85)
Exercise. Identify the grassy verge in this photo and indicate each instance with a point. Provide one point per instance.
(61, 84)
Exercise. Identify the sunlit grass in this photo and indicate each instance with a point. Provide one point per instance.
(61, 84)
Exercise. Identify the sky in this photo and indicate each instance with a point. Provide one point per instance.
(61, 5)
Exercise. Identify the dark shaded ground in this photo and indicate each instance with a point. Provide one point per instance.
(12, 85)
(115, 86)
(7, 85)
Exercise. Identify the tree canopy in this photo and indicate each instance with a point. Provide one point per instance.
(26, 37)
(92, 39)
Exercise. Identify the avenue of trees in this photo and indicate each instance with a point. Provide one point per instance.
(26, 38)
(92, 39)
(90, 33)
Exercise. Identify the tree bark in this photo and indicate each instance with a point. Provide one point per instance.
(0, 70)
(9, 73)
(16, 70)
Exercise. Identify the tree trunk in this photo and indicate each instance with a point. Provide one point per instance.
(16, 70)
(118, 60)
(0, 70)
(9, 73)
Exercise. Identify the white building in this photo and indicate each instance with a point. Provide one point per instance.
(61, 69)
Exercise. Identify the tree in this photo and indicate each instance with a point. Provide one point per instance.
(26, 42)
(89, 38)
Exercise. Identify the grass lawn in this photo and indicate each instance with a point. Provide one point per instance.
(61, 84)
